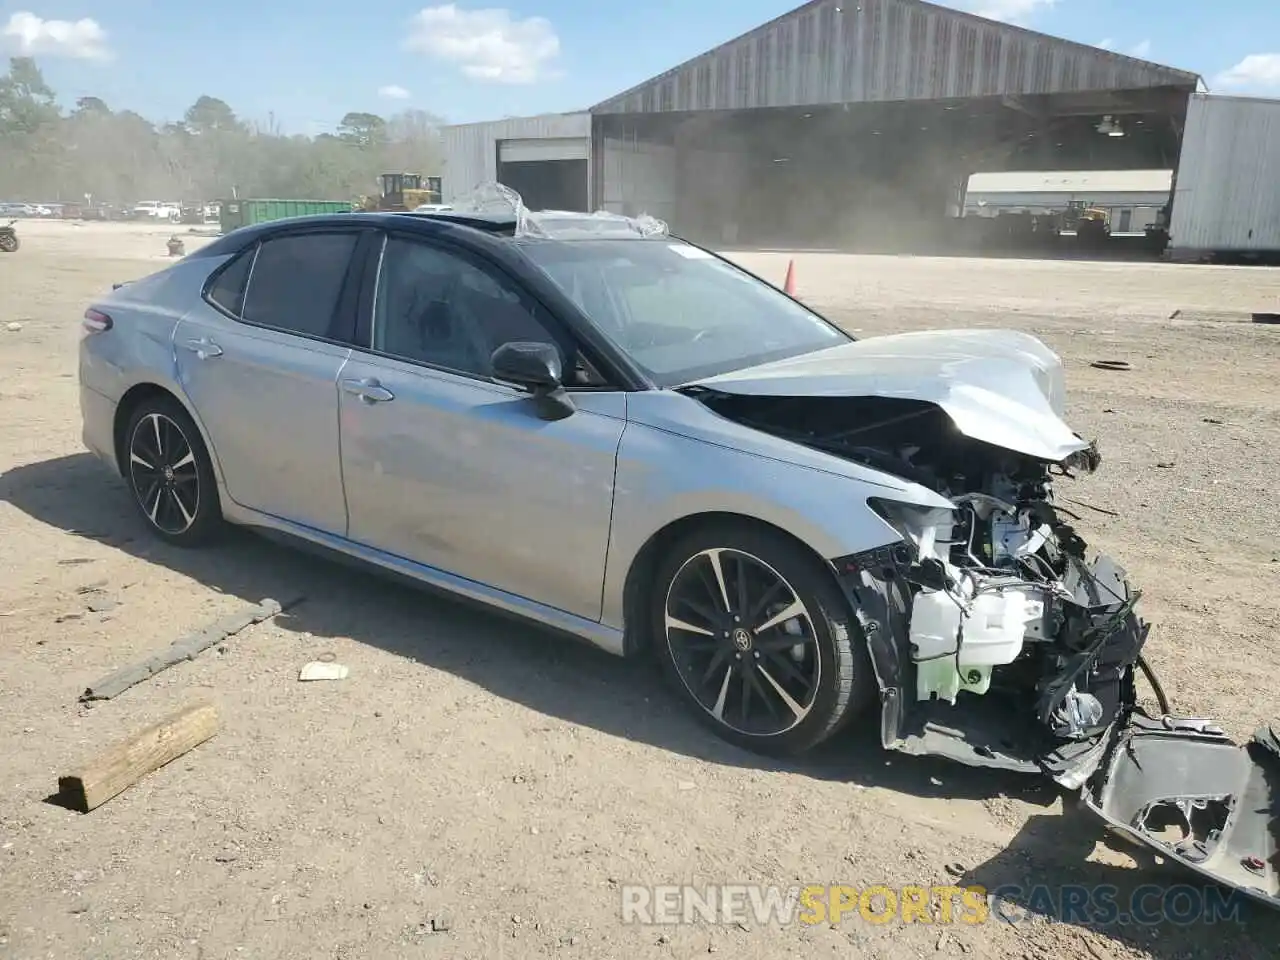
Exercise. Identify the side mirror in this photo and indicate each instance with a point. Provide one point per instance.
(538, 368)
(533, 365)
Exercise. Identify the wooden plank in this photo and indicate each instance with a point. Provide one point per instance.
(129, 761)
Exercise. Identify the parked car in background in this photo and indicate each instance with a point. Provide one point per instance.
(157, 210)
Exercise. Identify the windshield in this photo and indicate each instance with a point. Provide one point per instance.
(679, 312)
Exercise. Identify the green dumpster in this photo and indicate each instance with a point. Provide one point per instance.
(244, 213)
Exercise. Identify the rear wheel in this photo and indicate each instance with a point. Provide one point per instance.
(758, 639)
(9, 242)
(170, 474)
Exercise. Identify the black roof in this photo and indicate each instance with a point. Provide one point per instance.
(484, 227)
(428, 224)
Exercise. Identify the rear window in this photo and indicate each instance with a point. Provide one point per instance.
(296, 282)
(227, 290)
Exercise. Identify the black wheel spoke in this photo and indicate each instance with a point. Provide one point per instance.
(743, 604)
(782, 641)
(770, 596)
(765, 698)
(708, 616)
(787, 667)
(150, 496)
(750, 658)
(718, 661)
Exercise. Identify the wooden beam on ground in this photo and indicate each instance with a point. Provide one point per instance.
(129, 761)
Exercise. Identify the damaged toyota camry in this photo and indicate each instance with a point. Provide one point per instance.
(587, 422)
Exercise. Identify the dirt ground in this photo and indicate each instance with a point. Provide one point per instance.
(477, 788)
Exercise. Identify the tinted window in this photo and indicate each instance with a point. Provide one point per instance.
(437, 308)
(296, 282)
(228, 289)
(680, 312)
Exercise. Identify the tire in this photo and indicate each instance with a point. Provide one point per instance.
(9, 243)
(180, 504)
(806, 676)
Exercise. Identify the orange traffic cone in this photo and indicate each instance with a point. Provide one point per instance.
(789, 284)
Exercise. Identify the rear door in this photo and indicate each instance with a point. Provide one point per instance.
(259, 360)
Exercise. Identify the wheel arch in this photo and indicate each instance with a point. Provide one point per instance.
(637, 635)
(130, 401)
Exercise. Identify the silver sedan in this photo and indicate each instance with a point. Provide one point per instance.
(585, 421)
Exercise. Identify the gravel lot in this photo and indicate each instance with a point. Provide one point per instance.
(476, 788)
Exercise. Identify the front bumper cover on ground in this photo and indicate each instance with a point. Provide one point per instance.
(1183, 788)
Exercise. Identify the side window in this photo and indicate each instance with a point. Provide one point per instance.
(438, 308)
(228, 290)
(296, 282)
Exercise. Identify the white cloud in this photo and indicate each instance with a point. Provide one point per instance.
(486, 44)
(393, 91)
(1010, 11)
(82, 39)
(1258, 71)
(1141, 49)
(1106, 44)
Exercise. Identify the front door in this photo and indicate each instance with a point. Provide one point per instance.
(261, 368)
(446, 467)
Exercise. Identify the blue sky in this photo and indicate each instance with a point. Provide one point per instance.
(306, 63)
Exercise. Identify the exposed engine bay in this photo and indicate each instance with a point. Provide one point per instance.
(995, 599)
(995, 639)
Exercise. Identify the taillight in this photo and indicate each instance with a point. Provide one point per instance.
(95, 321)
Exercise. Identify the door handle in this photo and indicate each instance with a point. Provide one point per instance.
(204, 348)
(369, 390)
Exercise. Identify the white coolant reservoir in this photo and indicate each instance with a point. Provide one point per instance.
(994, 629)
(990, 633)
(935, 641)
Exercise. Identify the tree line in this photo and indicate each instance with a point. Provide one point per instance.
(118, 156)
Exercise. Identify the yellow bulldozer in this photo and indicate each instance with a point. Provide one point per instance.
(402, 191)
(1091, 224)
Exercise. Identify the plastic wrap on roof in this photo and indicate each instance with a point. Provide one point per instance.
(496, 198)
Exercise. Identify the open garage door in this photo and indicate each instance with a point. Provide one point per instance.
(550, 174)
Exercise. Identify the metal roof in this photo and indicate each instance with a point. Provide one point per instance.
(1073, 181)
(864, 51)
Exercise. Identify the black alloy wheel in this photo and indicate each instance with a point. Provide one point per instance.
(169, 473)
(759, 639)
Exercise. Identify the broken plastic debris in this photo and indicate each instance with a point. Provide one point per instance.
(316, 670)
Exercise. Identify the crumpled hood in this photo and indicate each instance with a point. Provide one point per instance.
(999, 386)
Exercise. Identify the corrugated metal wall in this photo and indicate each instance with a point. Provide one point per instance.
(638, 177)
(859, 51)
(471, 149)
(1227, 194)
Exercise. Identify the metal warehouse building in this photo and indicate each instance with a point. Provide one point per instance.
(837, 125)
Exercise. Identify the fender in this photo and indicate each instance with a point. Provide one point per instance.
(664, 477)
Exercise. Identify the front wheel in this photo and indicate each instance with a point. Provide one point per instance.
(170, 474)
(9, 242)
(758, 640)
